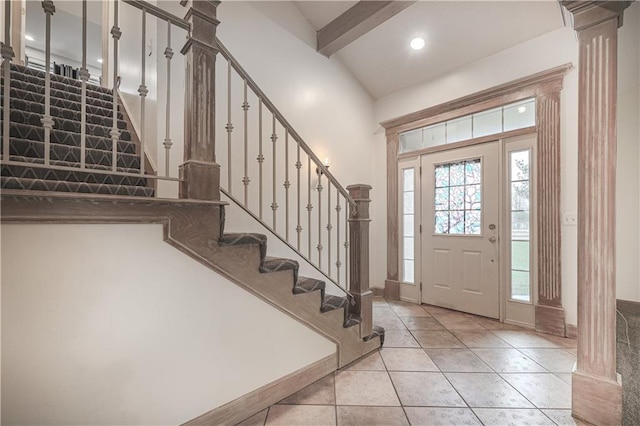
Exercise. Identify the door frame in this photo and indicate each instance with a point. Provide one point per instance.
(546, 88)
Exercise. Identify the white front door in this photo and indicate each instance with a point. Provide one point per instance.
(460, 210)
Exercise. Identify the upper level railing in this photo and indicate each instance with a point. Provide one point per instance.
(143, 103)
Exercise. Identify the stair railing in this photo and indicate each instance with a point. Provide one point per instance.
(146, 12)
(290, 179)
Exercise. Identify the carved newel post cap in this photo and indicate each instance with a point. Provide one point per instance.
(359, 191)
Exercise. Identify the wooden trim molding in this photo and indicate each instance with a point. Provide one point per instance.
(522, 88)
(545, 87)
(597, 392)
(252, 403)
(356, 22)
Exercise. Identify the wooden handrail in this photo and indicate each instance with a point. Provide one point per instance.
(159, 13)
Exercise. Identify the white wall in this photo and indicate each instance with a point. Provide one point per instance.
(550, 50)
(628, 172)
(108, 324)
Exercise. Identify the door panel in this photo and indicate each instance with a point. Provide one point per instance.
(460, 208)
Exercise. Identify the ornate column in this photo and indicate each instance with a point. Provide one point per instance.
(549, 312)
(597, 393)
(392, 283)
(359, 256)
(200, 173)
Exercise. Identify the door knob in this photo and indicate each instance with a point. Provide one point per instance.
(492, 239)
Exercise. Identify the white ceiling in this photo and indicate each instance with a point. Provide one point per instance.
(456, 33)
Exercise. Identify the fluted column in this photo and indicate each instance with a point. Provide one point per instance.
(597, 393)
(200, 173)
(549, 312)
(359, 256)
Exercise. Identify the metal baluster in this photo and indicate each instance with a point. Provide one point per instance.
(329, 227)
(84, 77)
(7, 55)
(260, 156)
(168, 53)
(286, 185)
(319, 246)
(346, 243)
(298, 166)
(47, 120)
(274, 138)
(115, 133)
(245, 179)
(309, 205)
(142, 90)
(229, 127)
(338, 262)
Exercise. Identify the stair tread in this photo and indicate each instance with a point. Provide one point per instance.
(23, 94)
(308, 285)
(27, 74)
(62, 112)
(76, 187)
(62, 79)
(72, 154)
(72, 126)
(58, 92)
(376, 331)
(62, 137)
(27, 160)
(274, 264)
(351, 320)
(331, 302)
(79, 175)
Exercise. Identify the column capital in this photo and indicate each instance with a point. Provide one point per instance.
(589, 13)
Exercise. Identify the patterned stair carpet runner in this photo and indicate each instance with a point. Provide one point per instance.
(26, 142)
(301, 284)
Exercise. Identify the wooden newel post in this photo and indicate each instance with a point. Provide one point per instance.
(359, 256)
(200, 174)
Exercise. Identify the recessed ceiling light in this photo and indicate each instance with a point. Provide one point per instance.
(100, 60)
(28, 37)
(417, 43)
(522, 109)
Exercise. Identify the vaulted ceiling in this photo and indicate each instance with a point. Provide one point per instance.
(456, 33)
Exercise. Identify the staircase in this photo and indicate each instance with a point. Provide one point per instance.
(27, 137)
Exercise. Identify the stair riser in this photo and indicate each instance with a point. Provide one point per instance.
(70, 154)
(35, 120)
(67, 176)
(36, 133)
(58, 90)
(105, 108)
(83, 188)
(105, 100)
(91, 92)
(66, 105)
(66, 114)
(55, 77)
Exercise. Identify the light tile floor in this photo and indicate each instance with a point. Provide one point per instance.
(440, 367)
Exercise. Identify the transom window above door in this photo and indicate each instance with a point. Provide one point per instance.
(458, 197)
(518, 115)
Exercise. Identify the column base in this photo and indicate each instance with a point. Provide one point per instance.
(392, 290)
(200, 180)
(364, 307)
(550, 320)
(596, 400)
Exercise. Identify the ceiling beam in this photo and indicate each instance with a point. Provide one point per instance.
(356, 22)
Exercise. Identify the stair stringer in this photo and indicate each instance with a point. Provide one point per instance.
(193, 227)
